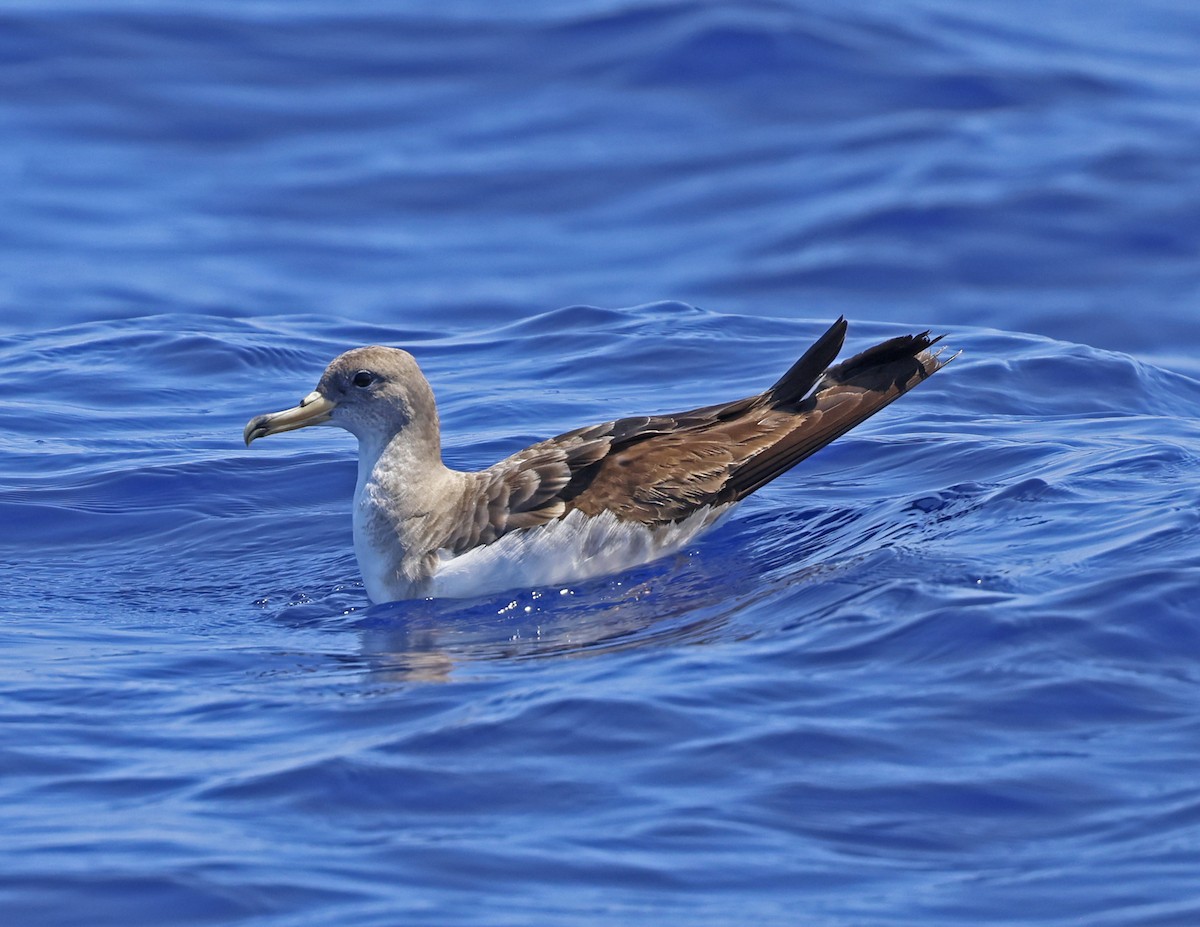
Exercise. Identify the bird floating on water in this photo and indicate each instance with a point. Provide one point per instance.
(592, 501)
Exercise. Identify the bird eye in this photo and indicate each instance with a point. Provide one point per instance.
(363, 379)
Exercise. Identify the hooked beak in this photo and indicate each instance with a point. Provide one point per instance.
(314, 409)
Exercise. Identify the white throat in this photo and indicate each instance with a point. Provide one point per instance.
(399, 492)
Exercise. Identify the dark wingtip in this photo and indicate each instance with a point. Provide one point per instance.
(898, 362)
(803, 374)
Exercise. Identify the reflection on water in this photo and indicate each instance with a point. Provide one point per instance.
(695, 597)
(672, 601)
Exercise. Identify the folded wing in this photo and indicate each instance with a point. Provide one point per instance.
(659, 469)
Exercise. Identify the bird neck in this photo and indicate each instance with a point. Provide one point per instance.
(399, 513)
(405, 456)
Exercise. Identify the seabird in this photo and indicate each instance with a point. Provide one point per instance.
(588, 502)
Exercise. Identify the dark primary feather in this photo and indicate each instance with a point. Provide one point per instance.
(660, 469)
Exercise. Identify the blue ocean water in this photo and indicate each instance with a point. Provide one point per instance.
(945, 672)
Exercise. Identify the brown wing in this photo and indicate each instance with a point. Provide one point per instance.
(659, 469)
(844, 397)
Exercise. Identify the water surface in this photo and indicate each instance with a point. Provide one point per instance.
(944, 672)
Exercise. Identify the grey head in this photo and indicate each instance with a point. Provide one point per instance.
(374, 393)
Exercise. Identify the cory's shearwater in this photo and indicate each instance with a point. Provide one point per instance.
(591, 501)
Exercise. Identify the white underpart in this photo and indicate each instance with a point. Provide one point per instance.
(574, 548)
